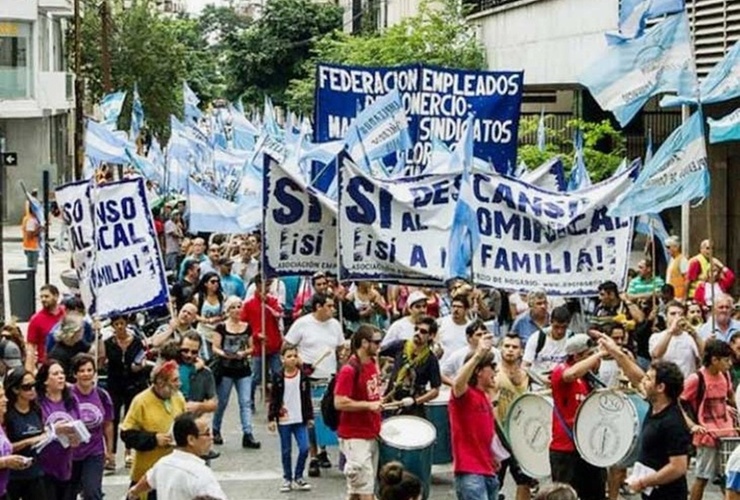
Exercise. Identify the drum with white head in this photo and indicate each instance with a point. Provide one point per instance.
(529, 432)
(409, 440)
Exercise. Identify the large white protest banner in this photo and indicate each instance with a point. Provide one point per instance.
(300, 225)
(115, 248)
(564, 243)
(394, 230)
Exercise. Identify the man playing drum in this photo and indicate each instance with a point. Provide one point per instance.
(569, 389)
(511, 381)
(664, 439)
(472, 426)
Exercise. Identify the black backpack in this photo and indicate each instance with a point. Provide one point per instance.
(329, 413)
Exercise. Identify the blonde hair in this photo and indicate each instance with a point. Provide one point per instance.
(231, 301)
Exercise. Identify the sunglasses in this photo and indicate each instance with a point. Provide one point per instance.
(213, 281)
(189, 351)
(425, 331)
(27, 387)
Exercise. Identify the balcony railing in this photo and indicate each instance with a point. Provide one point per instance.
(476, 6)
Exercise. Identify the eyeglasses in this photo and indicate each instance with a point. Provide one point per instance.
(207, 433)
(28, 387)
(189, 351)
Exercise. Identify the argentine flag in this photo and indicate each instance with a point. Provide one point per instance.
(110, 107)
(627, 75)
(676, 174)
(102, 145)
(633, 15)
(725, 129)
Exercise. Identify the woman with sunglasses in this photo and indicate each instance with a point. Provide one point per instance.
(59, 408)
(209, 299)
(96, 411)
(232, 343)
(8, 460)
(24, 428)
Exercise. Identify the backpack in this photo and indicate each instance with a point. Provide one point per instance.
(542, 337)
(329, 412)
(693, 410)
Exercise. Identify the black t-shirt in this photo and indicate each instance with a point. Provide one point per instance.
(665, 435)
(182, 291)
(64, 354)
(20, 426)
(417, 376)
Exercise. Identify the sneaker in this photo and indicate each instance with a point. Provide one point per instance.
(323, 459)
(248, 441)
(217, 439)
(313, 468)
(301, 485)
(286, 487)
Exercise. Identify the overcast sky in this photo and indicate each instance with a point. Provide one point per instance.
(195, 6)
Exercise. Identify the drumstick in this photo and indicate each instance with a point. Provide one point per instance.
(322, 358)
(392, 406)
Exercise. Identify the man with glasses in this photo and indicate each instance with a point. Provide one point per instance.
(403, 328)
(182, 474)
(414, 368)
(319, 339)
(148, 423)
(454, 362)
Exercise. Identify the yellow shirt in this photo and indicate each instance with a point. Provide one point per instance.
(507, 393)
(149, 413)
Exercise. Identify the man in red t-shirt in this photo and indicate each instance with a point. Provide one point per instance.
(252, 314)
(569, 389)
(472, 425)
(41, 325)
(357, 397)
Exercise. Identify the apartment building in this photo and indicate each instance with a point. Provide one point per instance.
(36, 95)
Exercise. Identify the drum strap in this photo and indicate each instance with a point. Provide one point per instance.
(557, 413)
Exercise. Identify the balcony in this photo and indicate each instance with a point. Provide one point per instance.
(63, 8)
(477, 6)
(55, 90)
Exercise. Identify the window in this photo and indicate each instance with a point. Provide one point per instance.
(16, 63)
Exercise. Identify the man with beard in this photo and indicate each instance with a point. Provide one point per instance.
(41, 325)
(664, 439)
(451, 334)
(414, 367)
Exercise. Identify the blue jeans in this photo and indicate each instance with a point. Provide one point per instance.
(32, 258)
(243, 393)
(476, 487)
(300, 431)
(273, 366)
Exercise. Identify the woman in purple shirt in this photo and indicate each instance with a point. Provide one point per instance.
(96, 411)
(59, 409)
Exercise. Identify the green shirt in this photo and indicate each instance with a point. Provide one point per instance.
(641, 286)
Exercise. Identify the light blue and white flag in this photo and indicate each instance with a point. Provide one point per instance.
(652, 225)
(520, 170)
(146, 167)
(550, 176)
(541, 132)
(244, 133)
(269, 120)
(137, 114)
(110, 107)
(379, 130)
(676, 174)
(191, 112)
(102, 145)
(579, 178)
(209, 212)
(633, 15)
(627, 75)
(323, 152)
(725, 129)
(721, 84)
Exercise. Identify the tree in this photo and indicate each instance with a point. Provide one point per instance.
(265, 56)
(603, 146)
(438, 35)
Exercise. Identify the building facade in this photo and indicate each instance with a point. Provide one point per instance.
(36, 96)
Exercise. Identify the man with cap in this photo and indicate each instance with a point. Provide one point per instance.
(569, 388)
(231, 284)
(403, 328)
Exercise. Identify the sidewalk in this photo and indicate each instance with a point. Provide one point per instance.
(12, 232)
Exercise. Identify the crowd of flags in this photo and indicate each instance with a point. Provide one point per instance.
(215, 156)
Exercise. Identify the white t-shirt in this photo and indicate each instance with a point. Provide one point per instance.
(681, 350)
(292, 400)
(183, 476)
(609, 373)
(456, 360)
(552, 353)
(401, 329)
(314, 338)
(451, 336)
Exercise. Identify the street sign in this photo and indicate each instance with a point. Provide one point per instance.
(10, 159)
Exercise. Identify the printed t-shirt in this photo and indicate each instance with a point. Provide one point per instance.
(359, 424)
(96, 408)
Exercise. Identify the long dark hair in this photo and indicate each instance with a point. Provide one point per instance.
(200, 290)
(43, 375)
(13, 380)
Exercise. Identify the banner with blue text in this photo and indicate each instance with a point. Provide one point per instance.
(437, 102)
(300, 225)
(564, 243)
(115, 247)
(395, 231)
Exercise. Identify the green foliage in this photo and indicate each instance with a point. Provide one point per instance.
(603, 146)
(262, 58)
(438, 35)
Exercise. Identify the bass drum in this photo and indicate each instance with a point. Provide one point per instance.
(529, 432)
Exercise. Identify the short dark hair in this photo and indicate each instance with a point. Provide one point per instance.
(396, 482)
(73, 303)
(488, 360)
(194, 336)
(363, 332)
(512, 336)
(676, 303)
(609, 286)
(715, 348)
(317, 276)
(185, 425)
(50, 288)
(668, 374)
(80, 360)
(609, 326)
(430, 322)
(463, 299)
(287, 346)
(561, 314)
(474, 326)
(668, 289)
(190, 263)
(319, 300)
